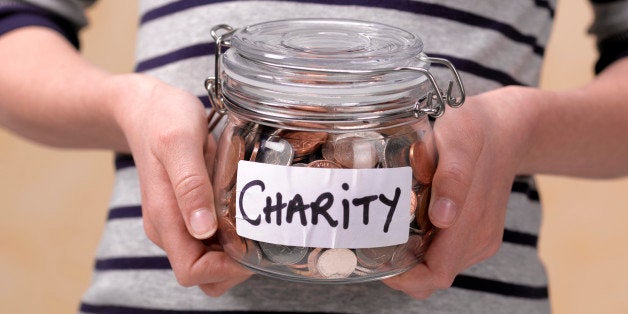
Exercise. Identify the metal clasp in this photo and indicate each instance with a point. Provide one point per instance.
(212, 83)
(441, 97)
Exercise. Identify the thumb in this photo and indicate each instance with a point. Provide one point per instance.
(452, 182)
(187, 171)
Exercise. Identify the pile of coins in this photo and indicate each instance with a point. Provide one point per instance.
(398, 147)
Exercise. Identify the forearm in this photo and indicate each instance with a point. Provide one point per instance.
(50, 94)
(582, 132)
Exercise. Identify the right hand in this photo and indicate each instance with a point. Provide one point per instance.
(166, 130)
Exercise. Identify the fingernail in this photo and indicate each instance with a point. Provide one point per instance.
(443, 212)
(203, 223)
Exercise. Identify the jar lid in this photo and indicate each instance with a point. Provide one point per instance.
(327, 44)
(334, 74)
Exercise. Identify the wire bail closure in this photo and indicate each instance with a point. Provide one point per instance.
(436, 100)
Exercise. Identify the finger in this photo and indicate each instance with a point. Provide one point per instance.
(182, 155)
(458, 153)
(189, 258)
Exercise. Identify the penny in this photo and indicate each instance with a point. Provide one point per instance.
(397, 152)
(231, 242)
(327, 150)
(322, 163)
(408, 253)
(283, 254)
(413, 204)
(304, 143)
(374, 257)
(231, 151)
(355, 152)
(336, 263)
(422, 215)
(422, 163)
(275, 151)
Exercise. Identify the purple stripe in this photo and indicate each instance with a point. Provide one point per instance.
(479, 70)
(133, 263)
(124, 161)
(461, 281)
(427, 9)
(16, 16)
(546, 5)
(198, 50)
(500, 287)
(202, 49)
(521, 238)
(523, 187)
(125, 212)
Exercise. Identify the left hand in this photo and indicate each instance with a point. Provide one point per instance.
(480, 148)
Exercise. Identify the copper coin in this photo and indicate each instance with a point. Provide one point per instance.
(327, 151)
(413, 205)
(355, 152)
(304, 143)
(322, 163)
(422, 215)
(336, 263)
(230, 151)
(231, 241)
(422, 163)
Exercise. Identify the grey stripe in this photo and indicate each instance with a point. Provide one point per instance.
(261, 293)
(126, 237)
(522, 214)
(126, 188)
(513, 264)
(533, 22)
(157, 38)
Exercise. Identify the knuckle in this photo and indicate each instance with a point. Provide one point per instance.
(190, 186)
(213, 290)
(183, 277)
(454, 173)
(444, 281)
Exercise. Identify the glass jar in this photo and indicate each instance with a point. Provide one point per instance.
(324, 166)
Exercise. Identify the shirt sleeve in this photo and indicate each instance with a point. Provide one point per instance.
(65, 17)
(610, 27)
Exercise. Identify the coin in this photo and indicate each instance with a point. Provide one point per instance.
(355, 152)
(231, 150)
(422, 163)
(397, 152)
(230, 240)
(336, 263)
(374, 257)
(283, 254)
(275, 151)
(322, 163)
(413, 204)
(304, 143)
(422, 216)
(309, 269)
(327, 150)
(407, 253)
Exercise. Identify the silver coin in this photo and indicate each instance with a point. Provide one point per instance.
(397, 152)
(283, 254)
(337, 263)
(275, 151)
(374, 257)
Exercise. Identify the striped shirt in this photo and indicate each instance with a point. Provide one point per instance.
(493, 43)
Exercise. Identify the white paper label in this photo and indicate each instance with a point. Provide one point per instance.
(321, 207)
